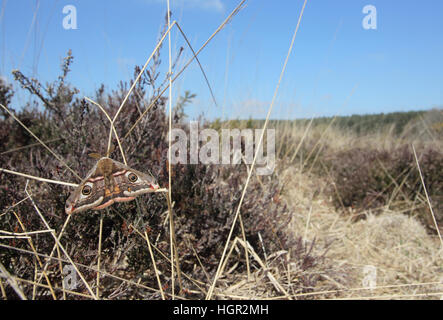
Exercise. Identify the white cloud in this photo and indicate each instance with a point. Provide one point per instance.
(249, 108)
(216, 5)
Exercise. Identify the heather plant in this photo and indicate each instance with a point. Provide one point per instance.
(372, 179)
(204, 197)
(373, 168)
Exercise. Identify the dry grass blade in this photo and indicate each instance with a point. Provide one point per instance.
(38, 178)
(271, 277)
(394, 296)
(40, 141)
(28, 233)
(99, 253)
(169, 196)
(209, 295)
(198, 259)
(394, 286)
(427, 198)
(135, 83)
(155, 266)
(55, 247)
(112, 129)
(58, 244)
(2, 289)
(242, 227)
(31, 244)
(15, 237)
(14, 205)
(163, 255)
(12, 282)
(104, 273)
(36, 284)
(173, 245)
(30, 146)
(302, 139)
(198, 62)
(221, 26)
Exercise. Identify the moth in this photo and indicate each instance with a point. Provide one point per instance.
(107, 182)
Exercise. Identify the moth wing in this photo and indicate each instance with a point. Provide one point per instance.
(78, 202)
(144, 176)
(145, 183)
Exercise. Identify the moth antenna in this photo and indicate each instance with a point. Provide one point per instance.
(111, 150)
(95, 155)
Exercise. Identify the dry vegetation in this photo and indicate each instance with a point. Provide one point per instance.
(360, 195)
(204, 199)
(340, 201)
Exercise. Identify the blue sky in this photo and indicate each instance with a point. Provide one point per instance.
(336, 68)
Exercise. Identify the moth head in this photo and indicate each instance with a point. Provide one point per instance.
(83, 198)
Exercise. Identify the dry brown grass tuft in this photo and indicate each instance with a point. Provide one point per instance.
(407, 260)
